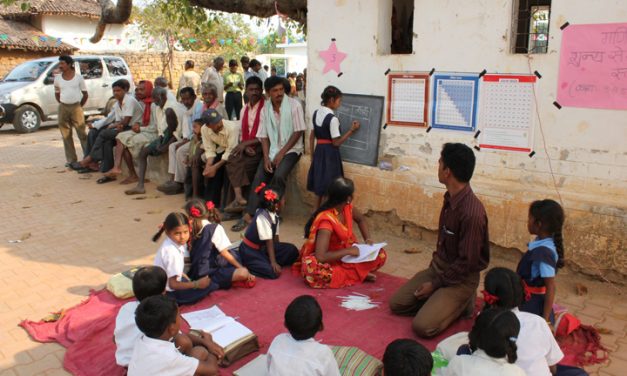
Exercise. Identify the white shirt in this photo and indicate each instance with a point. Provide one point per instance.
(129, 107)
(298, 124)
(126, 333)
(212, 76)
(171, 258)
(264, 227)
(262, 74)
(70, 91)
(219, 239)
(537, 348)
(189, 78)
(153, 357)
(335, 122)
(289, 357)
(480, 364)
(160, 117)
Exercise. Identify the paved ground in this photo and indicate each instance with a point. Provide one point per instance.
(77, 233)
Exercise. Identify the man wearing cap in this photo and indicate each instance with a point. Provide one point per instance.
(219, 138)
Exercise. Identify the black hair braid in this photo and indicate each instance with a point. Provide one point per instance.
(511, 351)
(558, 239)
(328, 204)
(156, 236)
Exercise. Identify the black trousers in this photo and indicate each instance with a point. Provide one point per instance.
(233, 101)
(102, 148)
(213, 186)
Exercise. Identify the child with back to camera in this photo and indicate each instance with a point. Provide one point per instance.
(406, 357)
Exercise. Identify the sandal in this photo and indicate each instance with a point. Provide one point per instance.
(248, 284)
(239, 226)
(104, 179)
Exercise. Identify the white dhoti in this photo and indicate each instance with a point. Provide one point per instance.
(176, 161)
(135, 141)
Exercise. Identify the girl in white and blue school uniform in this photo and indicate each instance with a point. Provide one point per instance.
(171, 257)
(538, 266)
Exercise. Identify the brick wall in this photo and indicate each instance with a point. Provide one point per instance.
(11, 58)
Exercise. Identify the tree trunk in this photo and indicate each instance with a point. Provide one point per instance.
(120, 13)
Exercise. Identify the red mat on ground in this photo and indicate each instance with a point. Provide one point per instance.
(87, 329)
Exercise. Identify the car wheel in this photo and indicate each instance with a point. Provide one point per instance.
(27, 119)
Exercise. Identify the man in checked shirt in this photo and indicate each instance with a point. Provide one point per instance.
(444, 291)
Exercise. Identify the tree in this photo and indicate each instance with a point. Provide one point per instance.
(121, 12)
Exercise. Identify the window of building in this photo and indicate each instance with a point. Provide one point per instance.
(116, 67)
(531, 26)
(90, 68)
(402, 29)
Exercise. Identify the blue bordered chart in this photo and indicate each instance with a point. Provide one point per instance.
(455, 101)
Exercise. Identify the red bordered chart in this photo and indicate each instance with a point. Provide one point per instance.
(408, 99)
(506, 115)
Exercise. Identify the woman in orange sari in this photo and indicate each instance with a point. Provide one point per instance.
(330, 237)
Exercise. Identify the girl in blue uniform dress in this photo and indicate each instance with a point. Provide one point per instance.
(260, 251)
(209, 252)
(326, 163)
(539, 264)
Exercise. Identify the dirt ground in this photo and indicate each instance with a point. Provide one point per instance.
(75, 234)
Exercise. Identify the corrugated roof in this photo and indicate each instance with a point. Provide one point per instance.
(16, 35)
(81, 8)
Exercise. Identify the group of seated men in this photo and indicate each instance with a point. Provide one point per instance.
(203, 146)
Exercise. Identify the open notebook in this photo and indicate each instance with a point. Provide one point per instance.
(367, 253)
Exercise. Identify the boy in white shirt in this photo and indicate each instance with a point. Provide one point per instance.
(298, 353)
(406, 357)
(149, 281)
(155, 352)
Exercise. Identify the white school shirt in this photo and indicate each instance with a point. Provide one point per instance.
(171, 258)
(130, 107)
(298, 124)
(481, 364)
(219, 239)
(153, 357)
(537, 348)
(126, 333)
(264, 227)
(70, 91)
(288, 357)
(335, 122)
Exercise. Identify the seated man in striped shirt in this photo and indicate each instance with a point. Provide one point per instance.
(444, 291)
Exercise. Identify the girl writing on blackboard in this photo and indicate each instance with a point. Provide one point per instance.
(326, 162)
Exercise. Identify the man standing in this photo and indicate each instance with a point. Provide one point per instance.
(189, 78)
(179, 150)
(233, 85)
(71, 93)
(245, 61)
(213, 75)
(281, 135)
(255, 66)
(444, 291)
(246, 156)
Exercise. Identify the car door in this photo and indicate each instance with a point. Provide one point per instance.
(93, 73)
(47, 100)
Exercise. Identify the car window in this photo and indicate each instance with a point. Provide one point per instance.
(116, 67)
(28, 71)
(90, 68)
(49, 80)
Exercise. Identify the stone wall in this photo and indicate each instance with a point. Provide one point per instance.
(11, 58)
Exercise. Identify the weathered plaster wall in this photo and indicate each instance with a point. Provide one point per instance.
(586, 148)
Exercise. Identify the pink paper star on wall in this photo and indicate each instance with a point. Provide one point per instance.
(332, 58)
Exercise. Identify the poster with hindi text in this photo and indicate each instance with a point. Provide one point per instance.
(593, 66)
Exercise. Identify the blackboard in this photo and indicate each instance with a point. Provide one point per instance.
(363, 146)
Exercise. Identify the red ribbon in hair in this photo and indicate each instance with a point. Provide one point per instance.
(210, 205)
(260, 187)
(489, 298)
(270, 195)
(195, 212)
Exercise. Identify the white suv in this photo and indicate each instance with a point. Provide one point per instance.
(27, 92)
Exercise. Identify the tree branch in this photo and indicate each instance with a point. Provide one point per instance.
(294, 9)
(111, 14)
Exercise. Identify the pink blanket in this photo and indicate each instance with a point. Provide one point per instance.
(87, 329)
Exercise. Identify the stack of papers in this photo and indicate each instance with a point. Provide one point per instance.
(224, 329)
(367, 253)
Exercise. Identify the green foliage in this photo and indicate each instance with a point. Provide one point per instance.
(177, 23)
(24, 4)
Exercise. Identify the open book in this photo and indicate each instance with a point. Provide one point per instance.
(224, 329)
(367, 253)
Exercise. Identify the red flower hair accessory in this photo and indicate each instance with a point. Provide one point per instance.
(210, 205)
(270, 195)
(195, 212)
(489, 298)
(260, 187)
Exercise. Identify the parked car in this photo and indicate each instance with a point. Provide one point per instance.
(27, 92)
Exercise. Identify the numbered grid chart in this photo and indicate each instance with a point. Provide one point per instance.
(455, 101)
(408, 100)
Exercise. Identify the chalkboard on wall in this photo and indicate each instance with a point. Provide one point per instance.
(363, 146)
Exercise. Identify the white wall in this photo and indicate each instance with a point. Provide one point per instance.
(587, 147)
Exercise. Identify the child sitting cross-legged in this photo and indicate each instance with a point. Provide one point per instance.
(297, 352)
(149, 281)
(155, 352)
(406, 357)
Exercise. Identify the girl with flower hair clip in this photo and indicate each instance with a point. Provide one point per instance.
(261, 251)
(209, 248)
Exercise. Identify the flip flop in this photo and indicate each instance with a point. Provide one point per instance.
(248, 284)
(104, 179)
(135, 191)
(84, 170)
